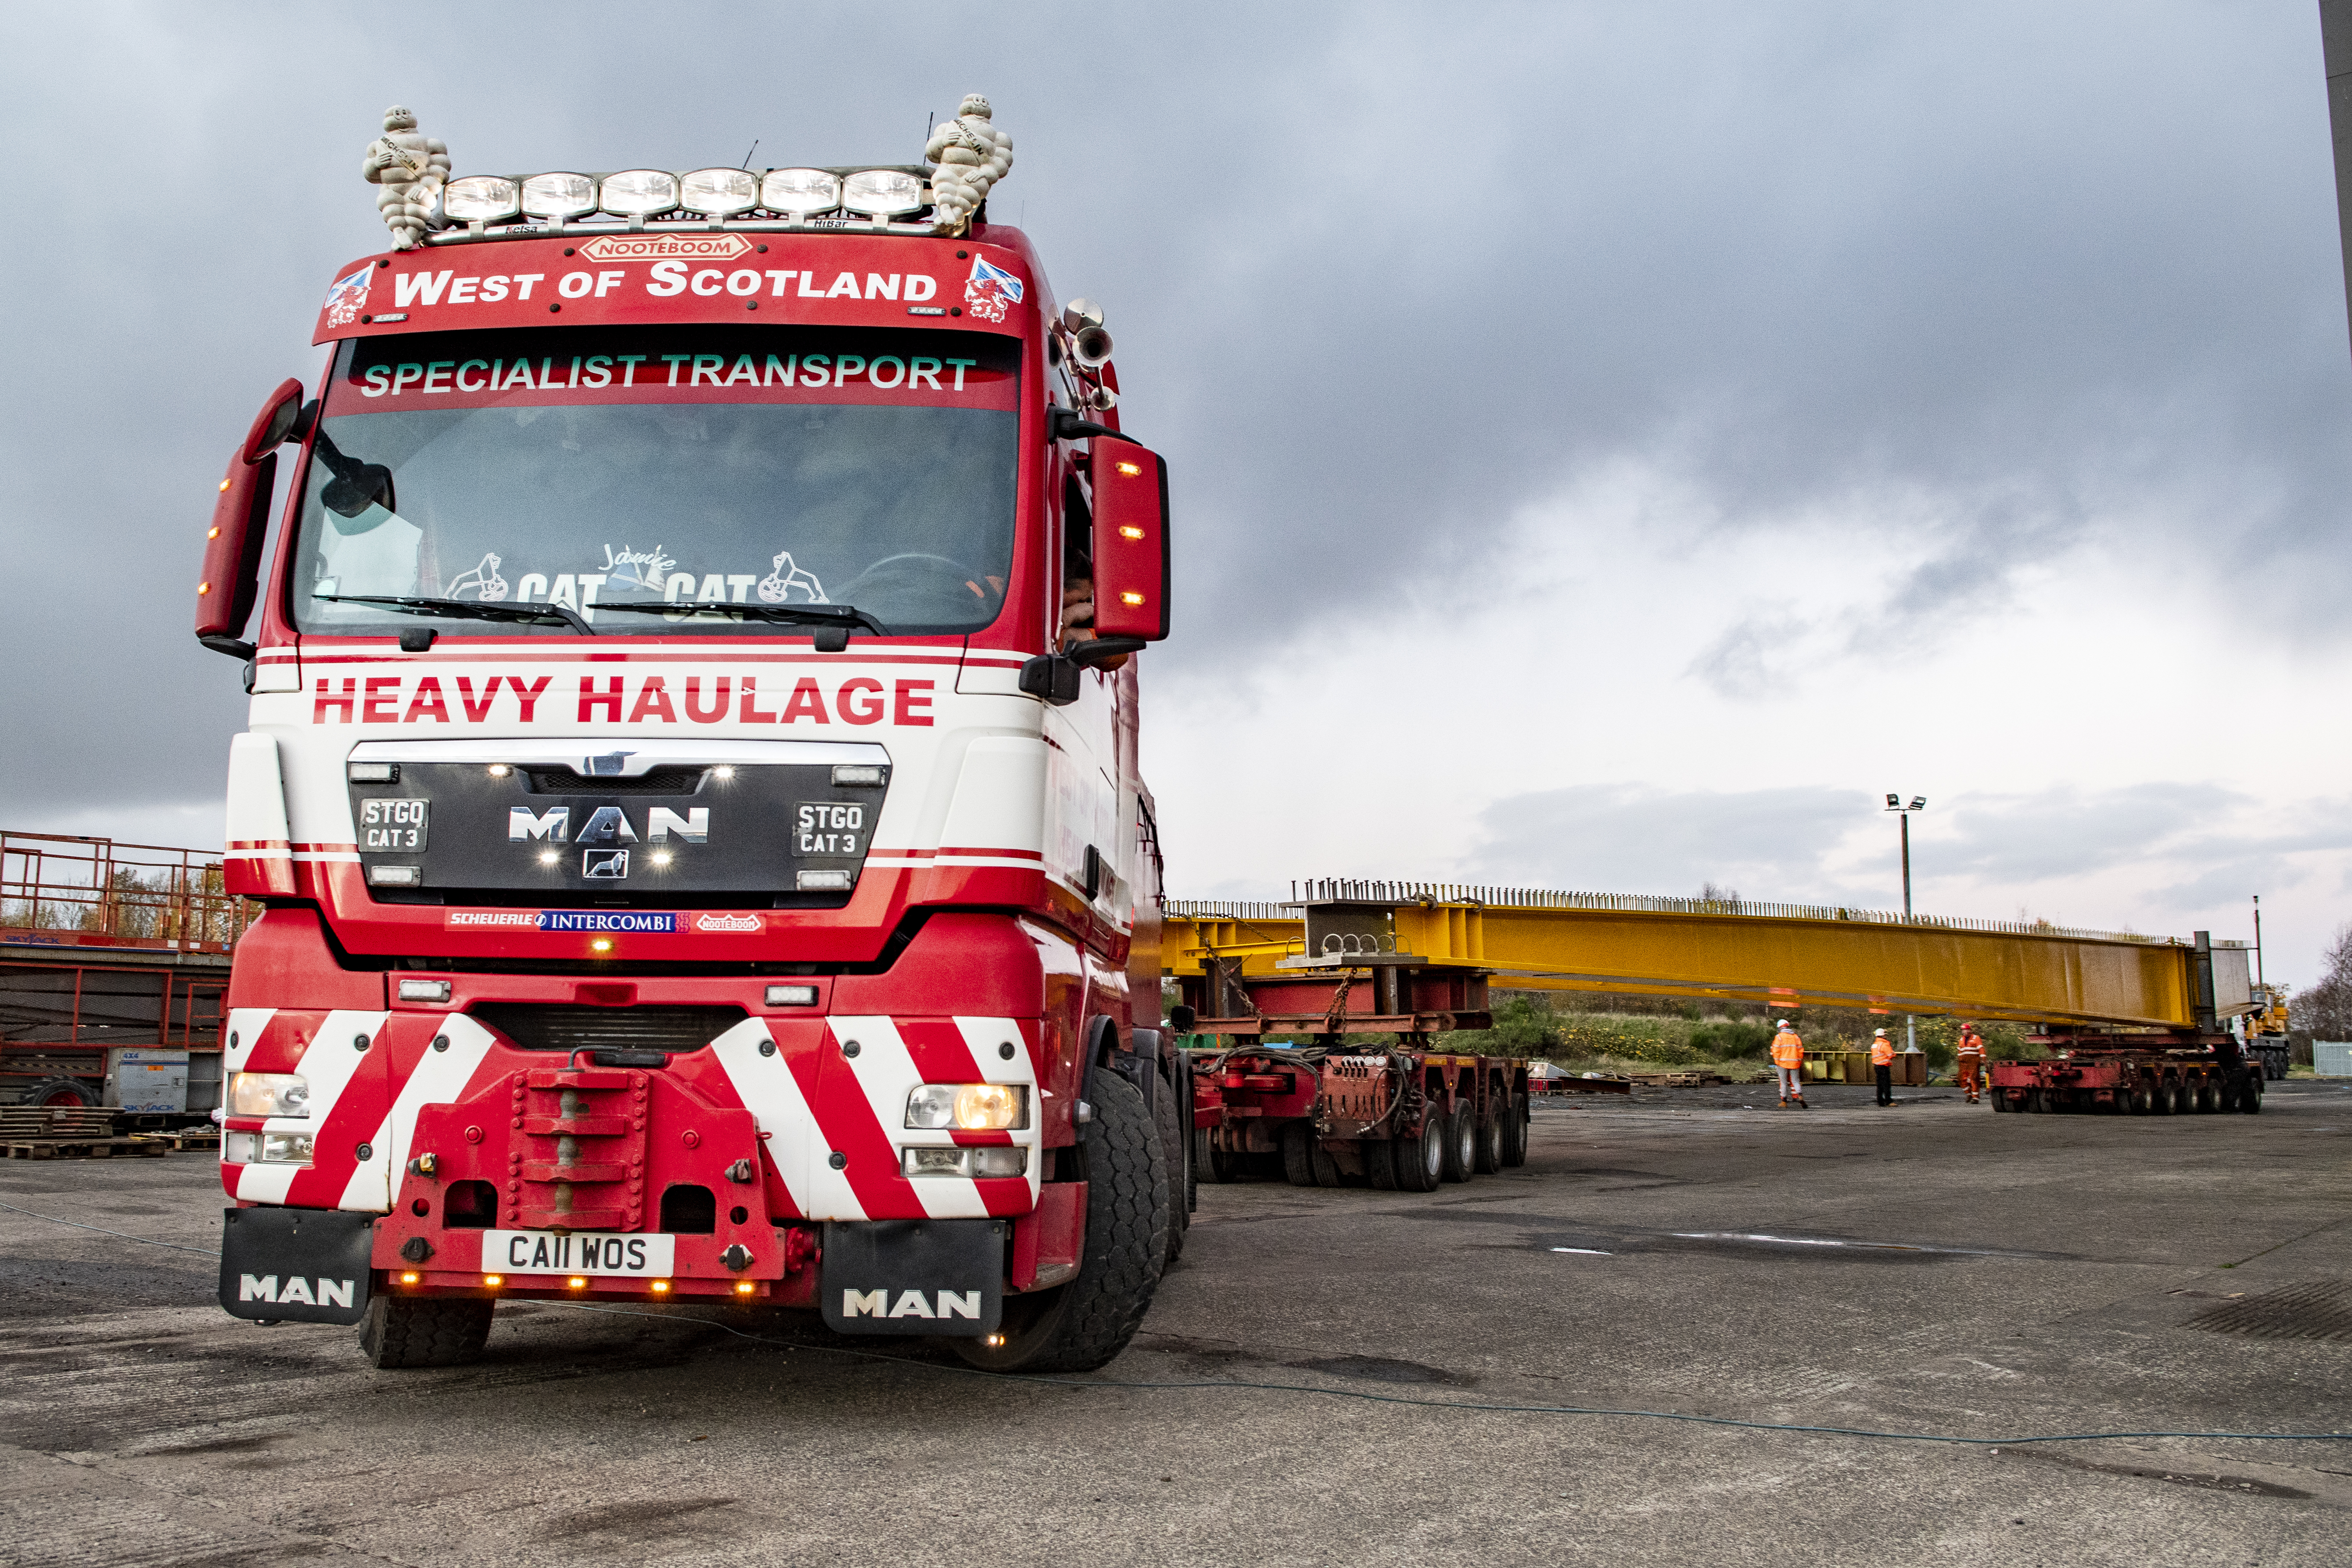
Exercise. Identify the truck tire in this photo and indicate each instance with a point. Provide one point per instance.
(61, 1092)
(2250, 1098)
(1490, 1135)
(1299, 1154)
(1079, 1326)
(1176, 1154)
(1325, 1168)
(1515, 1131)
(424, 1331)
(1461, 1142)
(2167, 1098)
(2143, 1098)
(1421, 1157)
(1380, 1164)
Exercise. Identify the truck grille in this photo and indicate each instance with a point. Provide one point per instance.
(556, 1027)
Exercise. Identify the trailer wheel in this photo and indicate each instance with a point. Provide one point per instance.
(424, 1331)
(1380, 1164)
(1421, 1158)
(2249, 1099)
(2143, 1098)
(1299, 1154)
(1490, 1137)
(1515, 1131)
(2164, 1098)
(1079, 1326)
(1461, 1142)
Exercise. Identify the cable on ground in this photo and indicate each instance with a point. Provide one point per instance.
(1227, 1383)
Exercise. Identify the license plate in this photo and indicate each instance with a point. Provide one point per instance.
(829, 827)
(639, 1255)
(395, 825)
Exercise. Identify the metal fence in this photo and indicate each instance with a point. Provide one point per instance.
(96, 893)
(1341, 891)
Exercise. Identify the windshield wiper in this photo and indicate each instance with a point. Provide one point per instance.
(473, 609)
(843, 616)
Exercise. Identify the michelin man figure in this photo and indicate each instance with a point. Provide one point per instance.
(973, 155)
(411, 170)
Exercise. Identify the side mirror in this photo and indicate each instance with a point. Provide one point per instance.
(1131, 543)
(232, 570)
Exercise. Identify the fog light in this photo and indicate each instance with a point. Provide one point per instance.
(424, 991)
(823, 881)
(720, 193)
(481, 198)
(935, 1162)
(882, 193)
(800, 192)
(857, 776)
(639, 192)
(1000, 1162)
(559, 196)
(285, 1148)
(792, 995)
(395, 875)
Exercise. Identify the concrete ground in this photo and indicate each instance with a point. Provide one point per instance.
(1927, 1268)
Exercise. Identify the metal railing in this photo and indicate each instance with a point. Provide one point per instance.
(1343, 891)
(96, 893)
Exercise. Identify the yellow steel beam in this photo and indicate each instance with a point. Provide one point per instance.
(1775, 960)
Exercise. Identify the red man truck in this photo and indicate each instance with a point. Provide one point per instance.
(692, 777)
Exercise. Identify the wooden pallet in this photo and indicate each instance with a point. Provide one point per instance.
(81, 1148)
(1676, 1080)
(180, 1140)
(37, 1121)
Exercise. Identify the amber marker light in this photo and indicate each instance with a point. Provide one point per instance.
(214, 532)
(577, 1283)
(494, 1280)
(1130, 598)
(994, 1341)
(1132, 471)
(600, 945)
(408, 1279)
(744, 1286)
(1128, 531)
(223, 484)
(661, 1287)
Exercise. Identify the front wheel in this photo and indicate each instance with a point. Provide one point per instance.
(424, 1331)
(1079, 1326)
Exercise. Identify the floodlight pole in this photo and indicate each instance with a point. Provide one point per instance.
(1894, 803)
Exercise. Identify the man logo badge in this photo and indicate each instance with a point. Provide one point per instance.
(605, 865)
(910, 1304)
(265, 1287)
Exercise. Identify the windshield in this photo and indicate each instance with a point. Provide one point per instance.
(767, 466)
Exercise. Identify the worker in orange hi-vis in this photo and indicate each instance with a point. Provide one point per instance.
(1788, 1061)
(1971, 1064)
(1882, 1065)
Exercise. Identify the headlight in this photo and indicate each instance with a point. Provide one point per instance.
(285, 1148)
(880, 193)
(559, 196)
(799, 191)
(481, 198)
(640, 193)
(967, 1163)
(970, 1107)
(719, 192)
(268, 1094)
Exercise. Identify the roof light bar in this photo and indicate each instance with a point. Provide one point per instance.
(481, 198)
(559, 196)
(882, 193)
(800, 192)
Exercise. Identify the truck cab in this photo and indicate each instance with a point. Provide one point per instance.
(691, 779)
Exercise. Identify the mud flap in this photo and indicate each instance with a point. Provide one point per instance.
(939, 1277)
(296, 1266)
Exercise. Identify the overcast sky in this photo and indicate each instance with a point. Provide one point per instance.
(1612, 444)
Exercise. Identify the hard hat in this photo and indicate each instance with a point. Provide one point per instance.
(1880, 1033)
(1784, 1023)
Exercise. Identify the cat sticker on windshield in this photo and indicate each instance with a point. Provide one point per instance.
(779, 585)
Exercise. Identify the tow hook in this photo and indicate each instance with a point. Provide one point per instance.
(740, 1170)
(737, 1257)
(417, 1250)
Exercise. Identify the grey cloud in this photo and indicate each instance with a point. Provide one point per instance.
(1381, 274)
(1624, 839)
